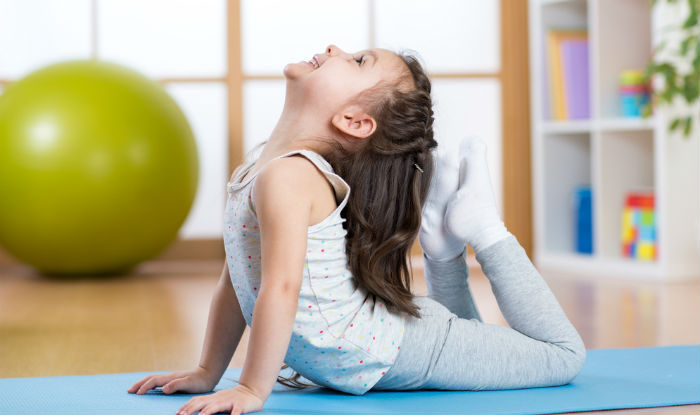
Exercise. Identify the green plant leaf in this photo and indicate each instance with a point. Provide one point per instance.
(659, 47)
(674, 124)
(686, 86)
(688, 125)
(692, 19)
(690, 88)
(665, 67)
(669, 91)
(668, 71)
(686, 44)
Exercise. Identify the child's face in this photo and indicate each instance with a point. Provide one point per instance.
(336, 76)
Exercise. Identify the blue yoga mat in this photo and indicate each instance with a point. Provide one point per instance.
(610, 379)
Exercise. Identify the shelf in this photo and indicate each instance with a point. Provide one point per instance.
(572, 126)
(557, 16)
(596, 267)
(627, 164)
(560, 2)
(567, 165)
(605, 124)
(624, 42)
(626, 124)
(609, 152)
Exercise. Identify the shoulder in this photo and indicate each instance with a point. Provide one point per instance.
(288, 183)
(290, 171)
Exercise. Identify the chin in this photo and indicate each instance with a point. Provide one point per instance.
(295, 70)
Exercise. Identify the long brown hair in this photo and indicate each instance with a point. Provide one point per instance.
(383, 212)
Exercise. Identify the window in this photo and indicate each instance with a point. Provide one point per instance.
(181, 43)
(458, 41)
(233, 105)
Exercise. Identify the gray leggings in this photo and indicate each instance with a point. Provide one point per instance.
(450, 347)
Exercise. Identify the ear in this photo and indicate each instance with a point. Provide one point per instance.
(354, 122)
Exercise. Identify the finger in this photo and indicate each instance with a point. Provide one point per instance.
(212, 408)
(140, 383)
(165, 379)
(185, 410)
(174, 385)
(192, 406)
(137, 385)
(236, 409)
(162, 378)
(149, 384)
(199, 405)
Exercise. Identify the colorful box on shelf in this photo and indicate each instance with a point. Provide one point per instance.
(583, 207)
(634, 93)
(639, 226)
(568, 76)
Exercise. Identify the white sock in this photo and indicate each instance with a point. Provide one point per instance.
(437, 243)
(471, 213)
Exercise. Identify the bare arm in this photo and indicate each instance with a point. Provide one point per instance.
(283, 203)
(283, 197)
(224, 328)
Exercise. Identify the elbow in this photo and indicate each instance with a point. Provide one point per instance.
(282, 291)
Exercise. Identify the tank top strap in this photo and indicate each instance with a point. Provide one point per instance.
(340, 186)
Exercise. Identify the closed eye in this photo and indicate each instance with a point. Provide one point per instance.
(360, 60)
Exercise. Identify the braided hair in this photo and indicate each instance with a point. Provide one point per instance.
(389, 179)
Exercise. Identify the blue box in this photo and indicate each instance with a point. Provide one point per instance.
(583, 215)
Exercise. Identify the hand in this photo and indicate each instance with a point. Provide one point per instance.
(193, 381)
(237, 400)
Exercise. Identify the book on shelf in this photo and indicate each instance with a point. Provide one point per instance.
(566, 75)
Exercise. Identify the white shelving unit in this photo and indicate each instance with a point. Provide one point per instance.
(611, 153)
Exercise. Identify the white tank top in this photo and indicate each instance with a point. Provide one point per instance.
(341, 338)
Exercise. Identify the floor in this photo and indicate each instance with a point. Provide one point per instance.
(155, 318)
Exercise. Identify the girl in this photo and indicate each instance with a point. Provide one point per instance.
(354, 145)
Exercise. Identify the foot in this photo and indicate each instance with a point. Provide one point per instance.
(471, 214)
(437, 243)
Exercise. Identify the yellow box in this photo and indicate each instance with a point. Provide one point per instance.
(645, 251)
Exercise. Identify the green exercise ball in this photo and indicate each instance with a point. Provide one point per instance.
(98, 168)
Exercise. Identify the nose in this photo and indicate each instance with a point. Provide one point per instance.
(333, 50)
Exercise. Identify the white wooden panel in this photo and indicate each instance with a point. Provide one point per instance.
(35, 33)
(277, 32)
(466, 107)
(164, 38)
(205, 106)
(263, 103)
(450, 35)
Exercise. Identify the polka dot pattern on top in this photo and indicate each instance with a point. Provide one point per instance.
(342, 338)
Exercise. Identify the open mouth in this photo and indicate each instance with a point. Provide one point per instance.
(314, 62)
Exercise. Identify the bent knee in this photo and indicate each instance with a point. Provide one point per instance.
(574, 358)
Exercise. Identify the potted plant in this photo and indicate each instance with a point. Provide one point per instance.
(677, 70)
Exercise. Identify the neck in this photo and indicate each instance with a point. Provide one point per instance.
(294, 131)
